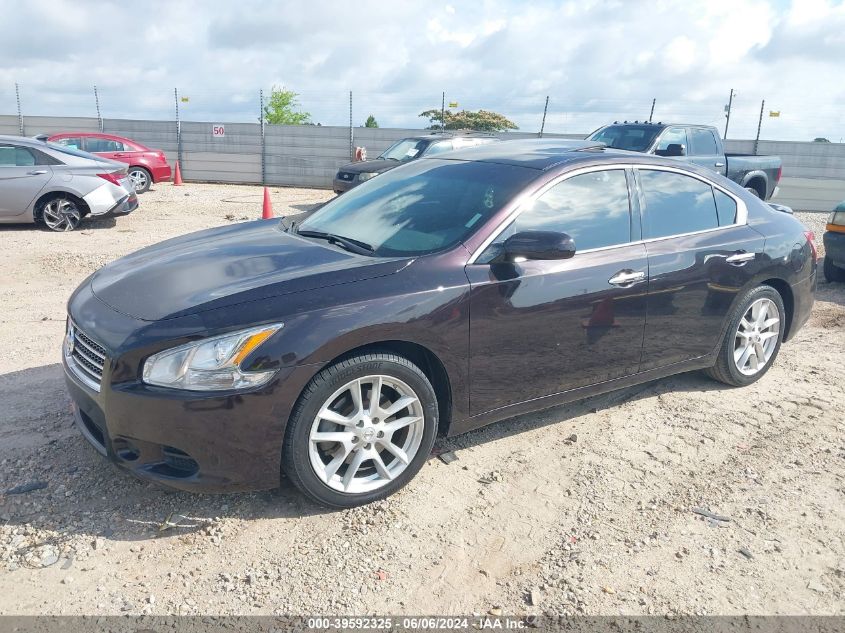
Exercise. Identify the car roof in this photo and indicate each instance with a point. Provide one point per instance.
(440, 136)
(21, 140)
(541, 154)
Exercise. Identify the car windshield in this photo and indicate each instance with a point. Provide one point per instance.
(405, 150)
(635, 138)
(423, 207)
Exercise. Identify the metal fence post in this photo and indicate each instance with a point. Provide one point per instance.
(351, 131)
(20, 114)
(759, 125)
(543, 123)
(178, 128)
(728, 114)
(97, 103)
(263, 145)
(651, 114)
(443, 112)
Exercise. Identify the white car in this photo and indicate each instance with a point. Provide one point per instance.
(57, 186)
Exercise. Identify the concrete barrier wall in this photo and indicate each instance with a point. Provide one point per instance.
(309, 156)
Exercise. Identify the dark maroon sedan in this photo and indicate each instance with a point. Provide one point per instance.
(443, 295)
(146, 166)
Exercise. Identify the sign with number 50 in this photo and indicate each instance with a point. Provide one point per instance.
(218, 131)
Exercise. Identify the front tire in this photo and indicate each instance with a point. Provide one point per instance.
(832, 272)
(344, 447)
(141, 179)
(752, 340)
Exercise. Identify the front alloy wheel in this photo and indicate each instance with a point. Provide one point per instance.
(361, 430)
(61, 214)
(366, 434)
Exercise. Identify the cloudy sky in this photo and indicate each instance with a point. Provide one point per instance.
(596, 60)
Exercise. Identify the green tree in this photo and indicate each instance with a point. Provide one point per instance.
(483, 120)
(283, 108)
(371, 122)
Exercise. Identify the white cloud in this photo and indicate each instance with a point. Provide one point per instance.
(598, 60)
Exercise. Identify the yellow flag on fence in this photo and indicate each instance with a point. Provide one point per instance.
(774, 113)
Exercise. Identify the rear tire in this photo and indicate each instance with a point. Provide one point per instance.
(343, 449)
(832, 272)
(751, 337)
(61, 213)
(753, 192)
(141, 179)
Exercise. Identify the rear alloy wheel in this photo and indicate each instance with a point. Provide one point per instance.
(361, 431)
(61, 214)
(753, 338)
(140, 178)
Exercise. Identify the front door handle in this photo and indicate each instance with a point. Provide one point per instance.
(626, 278)
(740, 259)
(718, 164)
(36, 172)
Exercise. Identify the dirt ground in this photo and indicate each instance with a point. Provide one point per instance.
(587, 508)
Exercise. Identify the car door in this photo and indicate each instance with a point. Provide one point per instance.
(701, 253)
(543, 327)
(23, 174)
(704, 150)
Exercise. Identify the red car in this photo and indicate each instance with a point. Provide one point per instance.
(146, 166)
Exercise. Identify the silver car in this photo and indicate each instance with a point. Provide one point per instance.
(58, 186)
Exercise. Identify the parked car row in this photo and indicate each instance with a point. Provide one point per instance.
(58, 180)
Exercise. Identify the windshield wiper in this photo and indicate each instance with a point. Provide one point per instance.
(355, 246)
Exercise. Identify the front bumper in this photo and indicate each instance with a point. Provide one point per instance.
(197, 441)
(340, 186)
(834, 247)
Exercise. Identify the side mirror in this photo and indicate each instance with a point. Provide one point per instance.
(675, 149)
(538, 245)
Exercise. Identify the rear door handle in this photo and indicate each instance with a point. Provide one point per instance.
(740, 259)
(626, 278)
(718, 164)
(36, 172)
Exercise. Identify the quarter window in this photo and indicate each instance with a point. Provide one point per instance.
(725, 207)
(592, 208)
(703, 142)
(675, 204)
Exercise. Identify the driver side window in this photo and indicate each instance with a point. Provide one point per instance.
(672, 136)
(592, 208)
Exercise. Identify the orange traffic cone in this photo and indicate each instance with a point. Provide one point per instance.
(177, 178)
(267, 210)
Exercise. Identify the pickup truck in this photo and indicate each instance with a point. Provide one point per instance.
(700, 144)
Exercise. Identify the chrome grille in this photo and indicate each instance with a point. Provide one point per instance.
(88, 356)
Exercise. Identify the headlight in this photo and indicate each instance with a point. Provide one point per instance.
(366, 176)
(836, 218)
(212, 364)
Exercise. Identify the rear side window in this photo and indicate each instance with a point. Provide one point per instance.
(675, 204)
(725, 207)
(12, 156)
(703, 142)
(103, 145)
(592, 208)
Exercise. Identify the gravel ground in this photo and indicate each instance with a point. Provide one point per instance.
(593, 508)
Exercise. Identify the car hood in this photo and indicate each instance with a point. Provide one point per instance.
(377, 165)
(226, 266)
